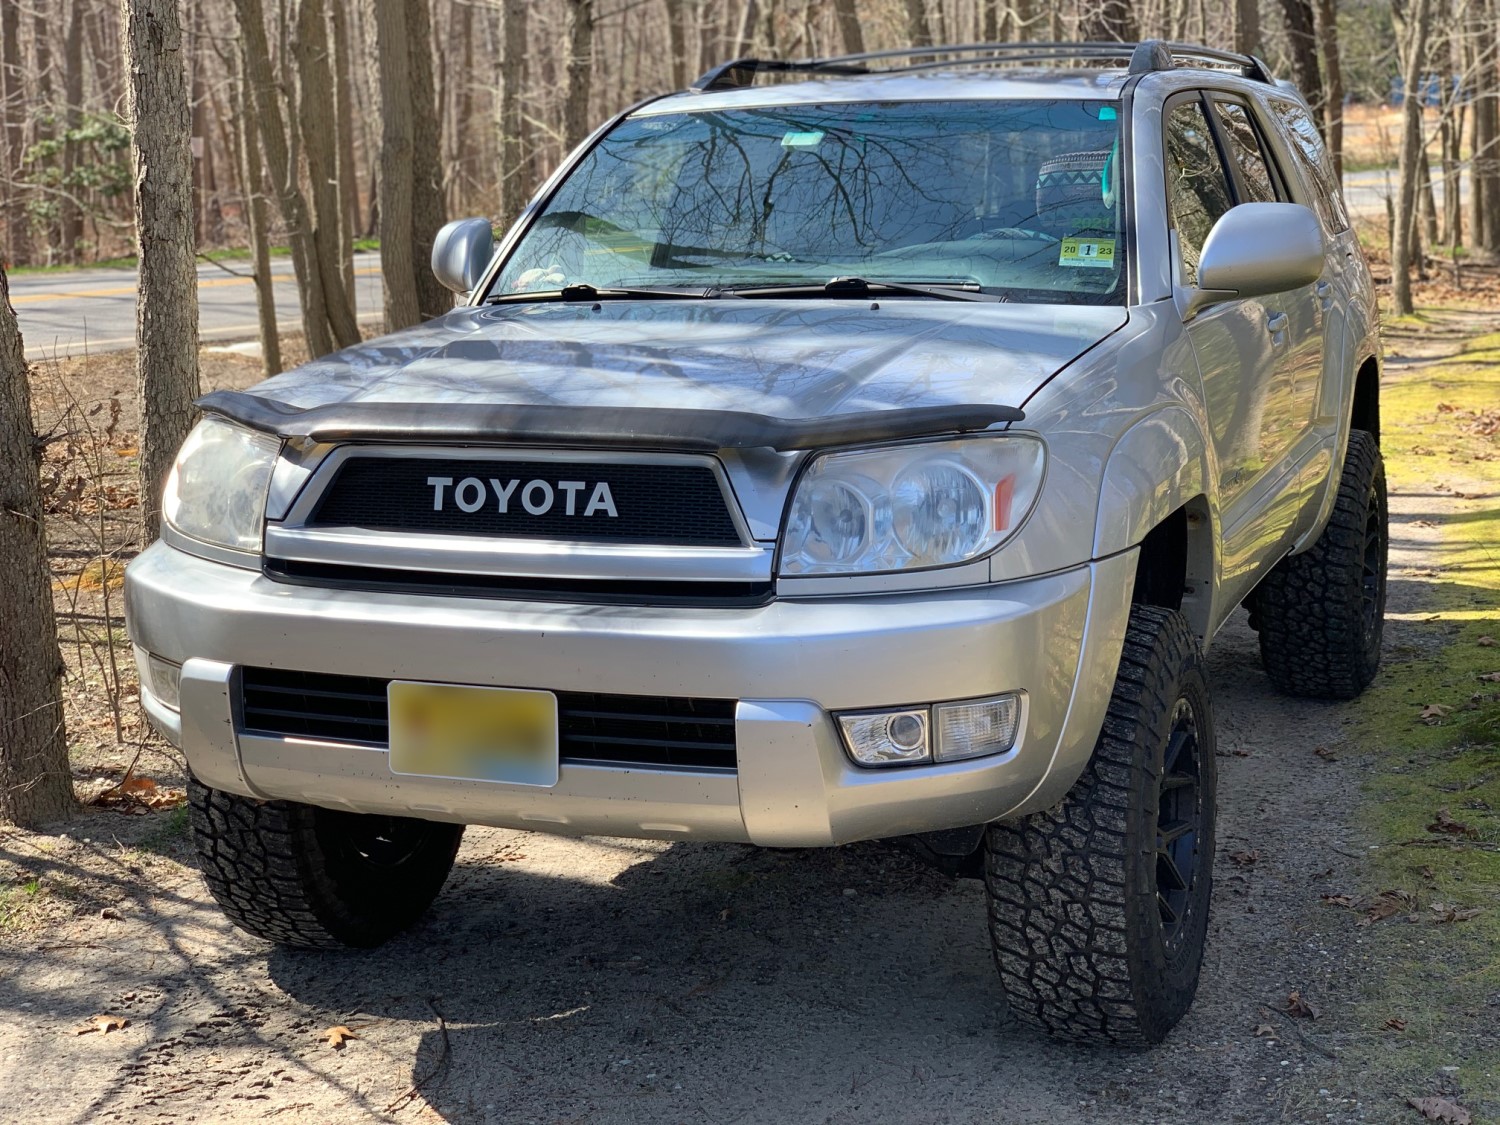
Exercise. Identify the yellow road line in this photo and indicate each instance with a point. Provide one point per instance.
(120, 290)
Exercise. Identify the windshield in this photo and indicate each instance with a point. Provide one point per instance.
(1016, 198)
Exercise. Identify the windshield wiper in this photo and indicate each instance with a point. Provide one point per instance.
(861, 287)
(587, 292)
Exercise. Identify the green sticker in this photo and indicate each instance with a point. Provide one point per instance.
(801, 140)
(1107, 113)
(1086, 252)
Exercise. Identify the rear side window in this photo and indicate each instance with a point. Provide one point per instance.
(1244, 144)
(1307, 143)
(1197, 186)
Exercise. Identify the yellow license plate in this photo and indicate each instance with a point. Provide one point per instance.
(473, 733)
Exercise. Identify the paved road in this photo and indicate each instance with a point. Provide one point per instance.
(68, 313)
(1366, 192)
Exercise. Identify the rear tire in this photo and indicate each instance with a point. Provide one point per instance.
(1099, 908)
(317, 878)
(1321, 613)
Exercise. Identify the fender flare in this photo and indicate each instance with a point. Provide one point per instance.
(1159, 464)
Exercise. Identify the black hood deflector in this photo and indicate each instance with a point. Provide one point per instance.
(642, 426)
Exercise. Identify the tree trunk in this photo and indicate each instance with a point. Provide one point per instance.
(1333, 86)
(283, 173)
(319, 124)
(35, 784)
(401, 309)
(428, 210)
(918, 27)
(1484, 218)
(677, 41)
(70, 222)
(1112, 21)
(1413, 21)
(166, 329)
(17, 249)
(512, 94)
(580, 71)
(254, 205)
(850, 31)
(1302, 39)
(1247, 27)
(347, 170)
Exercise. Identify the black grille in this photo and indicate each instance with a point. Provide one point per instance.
(669, 504)
(646, 730)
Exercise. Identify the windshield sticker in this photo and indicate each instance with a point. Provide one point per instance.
(1107, 113)
(801, 140)
(1087, 252)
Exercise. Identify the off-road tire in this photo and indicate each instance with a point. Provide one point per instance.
(317, 878)
(1078, 895)
(1320, 613)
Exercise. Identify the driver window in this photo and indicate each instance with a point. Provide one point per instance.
(1197, 186)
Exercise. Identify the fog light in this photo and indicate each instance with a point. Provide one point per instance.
(164, 681)
(887, 738)
(977, 727)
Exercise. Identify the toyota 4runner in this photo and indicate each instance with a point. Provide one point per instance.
(838, 449)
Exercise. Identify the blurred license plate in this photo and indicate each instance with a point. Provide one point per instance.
(473, 733)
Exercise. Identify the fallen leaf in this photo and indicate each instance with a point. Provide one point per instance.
(1446, 825)
(1427, 873)
(1394, 1024)
(1338, 900)
(1491, 677)
(337, 1036)
(1326, 754)
(1446, 913)
(1433, 712)
(102, 1024)
(724, 914)
(1441, 1109)
(1264, 1029)
(1299, 1008)
(140, 794)
(110, 913)
(1486, 642)
(1244, 859)
(1387, 904)
(1446, 408)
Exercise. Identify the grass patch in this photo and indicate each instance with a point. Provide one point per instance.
(1432, 724)
(167, 836)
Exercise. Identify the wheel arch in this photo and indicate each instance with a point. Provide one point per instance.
(1365, 407)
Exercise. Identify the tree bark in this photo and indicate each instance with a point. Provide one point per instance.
(283, 173)
(512, 92)
(166, 330)
(918, 26)
(1327, 23)
(1247, 27)
(851, 32)
(1112, 21)
(1484, 215)
(254, 204)
(580, 71)
(396, 253)
(1302, 39)
(35, 784)
(70, 222)
(1413, 22)
(348, 171)
(428, 210)
(17, 249)
(319, 124)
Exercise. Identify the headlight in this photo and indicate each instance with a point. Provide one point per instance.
(217, 489)
(908, 507)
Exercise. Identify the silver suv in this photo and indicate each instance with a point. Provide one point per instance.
(869, 452)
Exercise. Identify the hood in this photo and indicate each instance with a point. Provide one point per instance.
(783, 359)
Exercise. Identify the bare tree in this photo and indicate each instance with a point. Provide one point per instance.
(580, 70)
(850, 31)
(396, 252)
(166, 329)
(512, 94)
(254, 206)
(1112, 20)
(1302, 42)
(1247, 27)
(1413, 20)
(1327, 23)
(13, 107)
(35, 785)
(70, 223)
(428, 209)
(918, 26)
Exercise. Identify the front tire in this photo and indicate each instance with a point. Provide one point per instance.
(317, 878)
(1098, 908)
(1321, 614)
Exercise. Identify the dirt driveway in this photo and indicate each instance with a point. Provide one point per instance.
(612, 981)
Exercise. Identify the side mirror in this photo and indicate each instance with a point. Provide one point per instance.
(461, 252)
(1256, 249)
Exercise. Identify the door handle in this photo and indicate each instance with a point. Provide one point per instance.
(1276, 322)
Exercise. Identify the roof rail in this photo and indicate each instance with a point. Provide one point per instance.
(1140, 58)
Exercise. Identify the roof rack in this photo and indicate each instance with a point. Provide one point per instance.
(1145, 57)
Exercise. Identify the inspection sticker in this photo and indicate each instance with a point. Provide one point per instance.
(801, 140)
(1087, 252)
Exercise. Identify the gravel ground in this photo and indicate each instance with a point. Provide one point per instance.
(616, 981)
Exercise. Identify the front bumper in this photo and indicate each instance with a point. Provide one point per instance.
(1057, 638)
